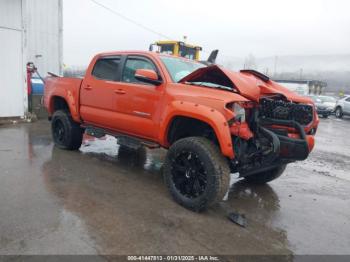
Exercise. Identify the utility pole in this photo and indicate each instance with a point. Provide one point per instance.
(267, 71)
(275, 67)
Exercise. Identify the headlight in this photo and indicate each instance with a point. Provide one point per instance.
(239, 112)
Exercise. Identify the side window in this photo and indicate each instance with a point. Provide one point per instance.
(167, 49)
(348, 99)
(134, 63)
(187, 52)
(107, 68)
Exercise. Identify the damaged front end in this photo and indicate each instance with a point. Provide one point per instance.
(274, 128)
(277, 135)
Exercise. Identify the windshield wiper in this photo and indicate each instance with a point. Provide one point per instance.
(209, 85)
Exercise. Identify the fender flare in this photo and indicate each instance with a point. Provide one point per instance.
(67, 96)
(211, 116)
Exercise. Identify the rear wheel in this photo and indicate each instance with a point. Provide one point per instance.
(66, 133)
(265, 176)
(338, 112)
(196, 173)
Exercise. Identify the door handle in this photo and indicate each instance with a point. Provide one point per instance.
(88, 87)
(119, 91)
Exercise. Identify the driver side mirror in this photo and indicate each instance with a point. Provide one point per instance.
(148, 76)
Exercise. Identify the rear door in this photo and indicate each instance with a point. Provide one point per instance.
(98, 99)
(139, 102)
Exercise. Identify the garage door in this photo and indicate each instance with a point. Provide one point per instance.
(12, 87)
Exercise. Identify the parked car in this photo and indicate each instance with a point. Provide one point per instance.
(329, 101)
(325, 105)
(343, 107)
(213, 121)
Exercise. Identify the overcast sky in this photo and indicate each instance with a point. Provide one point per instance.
(260, 27)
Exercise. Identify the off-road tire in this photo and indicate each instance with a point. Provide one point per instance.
(265, 176)
(338, 112)
(216, 171)
(66, 133)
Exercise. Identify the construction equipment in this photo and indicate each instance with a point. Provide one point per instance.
(176, 48)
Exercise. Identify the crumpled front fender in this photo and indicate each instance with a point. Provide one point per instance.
(212, 117)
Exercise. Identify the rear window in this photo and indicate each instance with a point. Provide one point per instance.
(107, 68)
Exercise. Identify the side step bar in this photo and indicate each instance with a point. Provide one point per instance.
(122, 139)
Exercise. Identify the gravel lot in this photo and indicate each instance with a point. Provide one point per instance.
(105, 200)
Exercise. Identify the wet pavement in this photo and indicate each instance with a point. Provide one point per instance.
(108, 200)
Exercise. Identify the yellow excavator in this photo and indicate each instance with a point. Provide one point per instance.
(177, 48)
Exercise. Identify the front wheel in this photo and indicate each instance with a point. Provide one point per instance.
(196, 173)
(66, 133)
(338, 112)
(265, 176)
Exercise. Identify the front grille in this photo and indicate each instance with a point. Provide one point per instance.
(279, 109)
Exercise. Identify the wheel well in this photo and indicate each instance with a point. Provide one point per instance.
(182, 127)
(338, 107)
(59, 103)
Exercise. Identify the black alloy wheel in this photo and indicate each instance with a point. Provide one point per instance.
(196, 173)
(188, 174)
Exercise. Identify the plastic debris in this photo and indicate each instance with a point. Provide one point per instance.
(238, 219)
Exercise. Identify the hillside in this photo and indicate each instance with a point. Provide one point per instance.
(333, 69)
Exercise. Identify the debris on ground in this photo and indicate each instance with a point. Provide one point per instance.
(238, 219)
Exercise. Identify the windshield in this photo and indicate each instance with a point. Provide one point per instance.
(188, 52)
(167, 49)
(327, 99)
(178, 68)
(315, 99)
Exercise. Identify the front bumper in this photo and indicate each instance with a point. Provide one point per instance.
(290, 148)
(324, 111)
(284, 148)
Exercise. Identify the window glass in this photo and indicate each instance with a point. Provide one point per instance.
(167, 49)
(107, 69)
(326, 99)
(131, 65)
(178, 68)
(348, 99)
(187, 52)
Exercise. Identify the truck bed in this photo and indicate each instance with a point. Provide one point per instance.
(63, 87)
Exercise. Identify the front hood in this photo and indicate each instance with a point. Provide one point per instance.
(320, 106)
(247, 83)
(329, 104)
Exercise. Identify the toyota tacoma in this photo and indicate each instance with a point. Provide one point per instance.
(213, 121)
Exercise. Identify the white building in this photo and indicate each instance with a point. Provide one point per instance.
(304, 87)
(30, 31)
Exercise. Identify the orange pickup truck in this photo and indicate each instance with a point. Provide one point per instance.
(213, 121)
